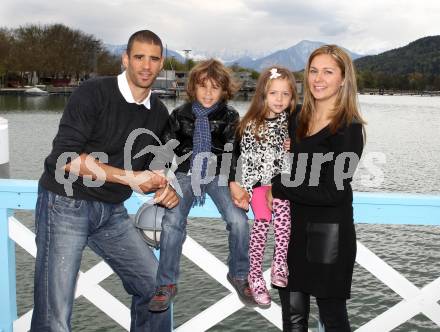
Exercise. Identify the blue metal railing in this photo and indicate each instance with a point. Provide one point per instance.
(377, 208)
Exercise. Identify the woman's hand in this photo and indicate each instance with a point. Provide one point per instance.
(269, 198)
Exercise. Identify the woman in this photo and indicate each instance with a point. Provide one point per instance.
(327, 141)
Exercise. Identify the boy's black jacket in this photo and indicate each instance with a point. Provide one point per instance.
(223, 123)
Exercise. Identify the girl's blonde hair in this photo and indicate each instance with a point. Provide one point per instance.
(346, 108)
(258, 109)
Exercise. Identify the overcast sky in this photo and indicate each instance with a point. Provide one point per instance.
(366, 27)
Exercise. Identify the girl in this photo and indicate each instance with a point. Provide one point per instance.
(205, 125)
(322, 247)
(263, 131)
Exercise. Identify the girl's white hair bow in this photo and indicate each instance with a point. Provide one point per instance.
(274, 73)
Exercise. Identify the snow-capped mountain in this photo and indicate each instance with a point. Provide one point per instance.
(227, 55)
(119, 49)
(294, 57)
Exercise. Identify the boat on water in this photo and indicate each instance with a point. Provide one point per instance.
(165, 93)
(34, 91)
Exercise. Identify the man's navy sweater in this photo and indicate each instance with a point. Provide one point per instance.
(98, 119)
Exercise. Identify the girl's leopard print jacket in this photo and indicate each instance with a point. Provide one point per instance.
(265, 158)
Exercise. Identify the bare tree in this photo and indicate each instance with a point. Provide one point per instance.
(56, 51)
(5, 52)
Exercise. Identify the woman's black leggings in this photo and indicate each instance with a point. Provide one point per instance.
(296, 307)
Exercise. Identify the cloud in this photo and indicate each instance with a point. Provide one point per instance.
(289, 12)
(333, 29)
(254, 25)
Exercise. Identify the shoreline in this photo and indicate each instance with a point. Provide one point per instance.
(399, 93)
(67, 90)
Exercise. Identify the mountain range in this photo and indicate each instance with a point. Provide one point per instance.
(119, 49)
(294, 57)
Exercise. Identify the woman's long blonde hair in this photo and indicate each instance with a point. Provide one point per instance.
(258, 109)
(346, 108)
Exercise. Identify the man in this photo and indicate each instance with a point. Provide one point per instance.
(87, 176)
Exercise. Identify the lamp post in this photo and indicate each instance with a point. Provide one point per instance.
(187, 57)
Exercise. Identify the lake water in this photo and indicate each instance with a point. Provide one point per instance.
(403, 144)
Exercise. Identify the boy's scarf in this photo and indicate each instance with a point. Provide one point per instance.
(201, 143)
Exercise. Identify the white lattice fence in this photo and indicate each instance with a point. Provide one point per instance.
(414, 301)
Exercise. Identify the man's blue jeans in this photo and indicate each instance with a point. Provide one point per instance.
(174, 231)
(64, 226)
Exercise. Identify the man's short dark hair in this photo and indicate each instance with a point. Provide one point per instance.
(144, 36)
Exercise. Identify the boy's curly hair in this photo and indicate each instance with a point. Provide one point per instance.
(215, 71)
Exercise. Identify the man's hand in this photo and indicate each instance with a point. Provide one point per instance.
(144, 181)
(88, 166)
(166, 197)
(269, 199)
(155, 180)
(239, 195)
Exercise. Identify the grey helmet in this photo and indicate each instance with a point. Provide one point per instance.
(148, 221)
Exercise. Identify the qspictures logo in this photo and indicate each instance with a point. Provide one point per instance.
(165, 161)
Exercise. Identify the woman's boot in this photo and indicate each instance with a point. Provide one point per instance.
(295, 308)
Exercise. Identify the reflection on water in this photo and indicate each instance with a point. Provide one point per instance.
(13, 103)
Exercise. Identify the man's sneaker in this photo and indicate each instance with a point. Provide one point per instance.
(162, 298)
(242, 288)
